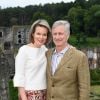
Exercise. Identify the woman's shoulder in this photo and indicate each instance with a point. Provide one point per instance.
(23, 47)
(44, 48)
(21, 51)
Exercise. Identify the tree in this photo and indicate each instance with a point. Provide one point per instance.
(41, 15)
(80, 3)
(13, 21)
(92, 20)
(76, 16)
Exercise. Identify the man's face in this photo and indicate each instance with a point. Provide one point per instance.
(59, 36)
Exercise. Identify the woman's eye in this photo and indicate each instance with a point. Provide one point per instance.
(44, 34)
(38, 33)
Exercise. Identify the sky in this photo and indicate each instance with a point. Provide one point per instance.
(23, 3)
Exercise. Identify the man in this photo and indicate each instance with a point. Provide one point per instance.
(67, 68)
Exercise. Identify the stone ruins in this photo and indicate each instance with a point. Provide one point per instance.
(10, 40)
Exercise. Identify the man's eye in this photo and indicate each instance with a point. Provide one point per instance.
(54, 33)
(60, 33)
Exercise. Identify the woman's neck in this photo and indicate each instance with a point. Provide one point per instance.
(33, 45)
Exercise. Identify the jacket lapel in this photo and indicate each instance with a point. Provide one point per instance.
(67, 56)
(50, 60)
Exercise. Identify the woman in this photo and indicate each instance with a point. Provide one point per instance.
(30, 64)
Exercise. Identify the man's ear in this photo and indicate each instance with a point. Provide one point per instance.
(68, 37)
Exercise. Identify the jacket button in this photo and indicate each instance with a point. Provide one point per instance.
(52, 96)
(53, 85)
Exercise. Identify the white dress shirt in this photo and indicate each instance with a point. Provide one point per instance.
(56, 58)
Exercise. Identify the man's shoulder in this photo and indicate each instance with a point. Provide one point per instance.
(50, 51)
(78, 52)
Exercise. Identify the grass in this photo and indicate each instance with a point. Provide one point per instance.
(95, 92)
(95, 89)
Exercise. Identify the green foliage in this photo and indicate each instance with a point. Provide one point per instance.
(95, 76)
(13, 91)
(98, 34)
(95, 82)
(92, 20)
(92, 41)
(84, 15)
(80, 3)
(13, 21)
(81, 43)
(40, 15)
(76, 15)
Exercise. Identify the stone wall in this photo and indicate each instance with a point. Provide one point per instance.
(93, 55)
(4, 77)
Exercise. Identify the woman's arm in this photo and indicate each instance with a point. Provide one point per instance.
(22, 93)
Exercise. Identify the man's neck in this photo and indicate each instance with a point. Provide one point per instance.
(60, 48)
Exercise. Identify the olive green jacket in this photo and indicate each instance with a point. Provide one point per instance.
(71, 80)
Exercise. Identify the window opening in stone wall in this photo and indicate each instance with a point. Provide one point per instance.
(19, 36)
(1, 34)
(19, 41)
(7, 46)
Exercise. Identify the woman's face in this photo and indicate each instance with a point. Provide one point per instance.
(40, 36)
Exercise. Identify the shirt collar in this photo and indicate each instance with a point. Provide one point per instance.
(63, 51)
